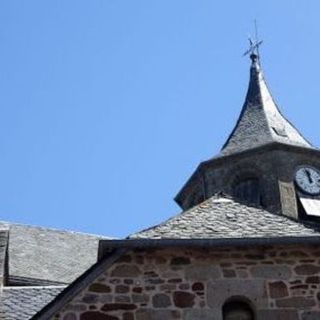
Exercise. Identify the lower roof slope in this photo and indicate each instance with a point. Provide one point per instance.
(221, 217)
(42, 255)
(21, 303)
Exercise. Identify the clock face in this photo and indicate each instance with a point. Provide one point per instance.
(308, 180)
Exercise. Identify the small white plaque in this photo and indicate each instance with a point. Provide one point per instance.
(311, 206)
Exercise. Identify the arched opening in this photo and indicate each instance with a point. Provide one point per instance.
(248, 190)
(237, 310)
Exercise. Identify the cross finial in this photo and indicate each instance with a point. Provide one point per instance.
(254, 45)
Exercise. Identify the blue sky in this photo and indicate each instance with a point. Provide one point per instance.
(107, 107)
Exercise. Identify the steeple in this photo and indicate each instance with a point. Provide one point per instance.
(265, 161)
(260, 121)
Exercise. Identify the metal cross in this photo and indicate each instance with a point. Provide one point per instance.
(254, 43)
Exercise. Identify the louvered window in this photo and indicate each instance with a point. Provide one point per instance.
(248, 190)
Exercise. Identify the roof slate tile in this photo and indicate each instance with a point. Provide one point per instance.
(47, 254)
(21, 303)
(221, 217)
(260, 121)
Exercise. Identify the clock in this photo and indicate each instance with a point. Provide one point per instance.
(308, 180)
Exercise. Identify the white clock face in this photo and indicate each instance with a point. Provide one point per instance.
(308, 180)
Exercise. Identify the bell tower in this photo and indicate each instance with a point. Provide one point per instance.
(265, 161)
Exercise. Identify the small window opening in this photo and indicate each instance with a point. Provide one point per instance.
(248, 190)
(280, 132)
(237, 310)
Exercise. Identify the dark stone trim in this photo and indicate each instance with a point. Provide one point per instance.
(263, 148)
(17, 281)
(4, 256)
(106, 245)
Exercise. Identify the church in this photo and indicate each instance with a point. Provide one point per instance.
(245, 246)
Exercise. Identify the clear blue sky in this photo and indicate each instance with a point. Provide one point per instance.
(108, 106)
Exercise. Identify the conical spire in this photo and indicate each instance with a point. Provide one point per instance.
(260, 121)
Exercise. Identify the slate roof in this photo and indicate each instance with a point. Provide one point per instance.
(260, 121)
(21, 303)
(4, 236)
(221, 217)
(42, 255)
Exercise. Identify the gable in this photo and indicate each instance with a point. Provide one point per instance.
(192, 283)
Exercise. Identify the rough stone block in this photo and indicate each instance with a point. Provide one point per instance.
(271, 272)
(140, 298)
(202, 272)
(278, 289)
(128, 316)
(96, 315)
(183, 299)
(184, 286)
(295, 302)
(277, 314)
(128, 281)
(105, 298)
(76, 307)
(228, 273)
(90, 298)
(307, 269)
(70, 316)
(198, 286)
(199, 314)
(313, 279)
(175, 280)
(122, 289)
(122, 299)
(125, 270)
(99, 287)
(118, 306)
(144, 314)
(310, 315)
(219, 291)
(167, 287)
(150, 314)
(161, 300)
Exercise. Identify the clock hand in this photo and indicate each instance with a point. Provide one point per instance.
(308, 175)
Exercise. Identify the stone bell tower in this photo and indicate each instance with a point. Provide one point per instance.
(265, 160)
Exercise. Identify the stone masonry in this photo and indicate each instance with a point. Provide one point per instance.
(185, 283)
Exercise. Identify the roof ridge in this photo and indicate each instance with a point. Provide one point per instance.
(217, 195)
(214, 197)
(264, 111)
(230, 218)
(279, 110)
(9, 224)
(32, 287)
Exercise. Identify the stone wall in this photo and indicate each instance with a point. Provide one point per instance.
(193, 284)
(268, 165)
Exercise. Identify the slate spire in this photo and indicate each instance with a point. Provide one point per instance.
(260, 121)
